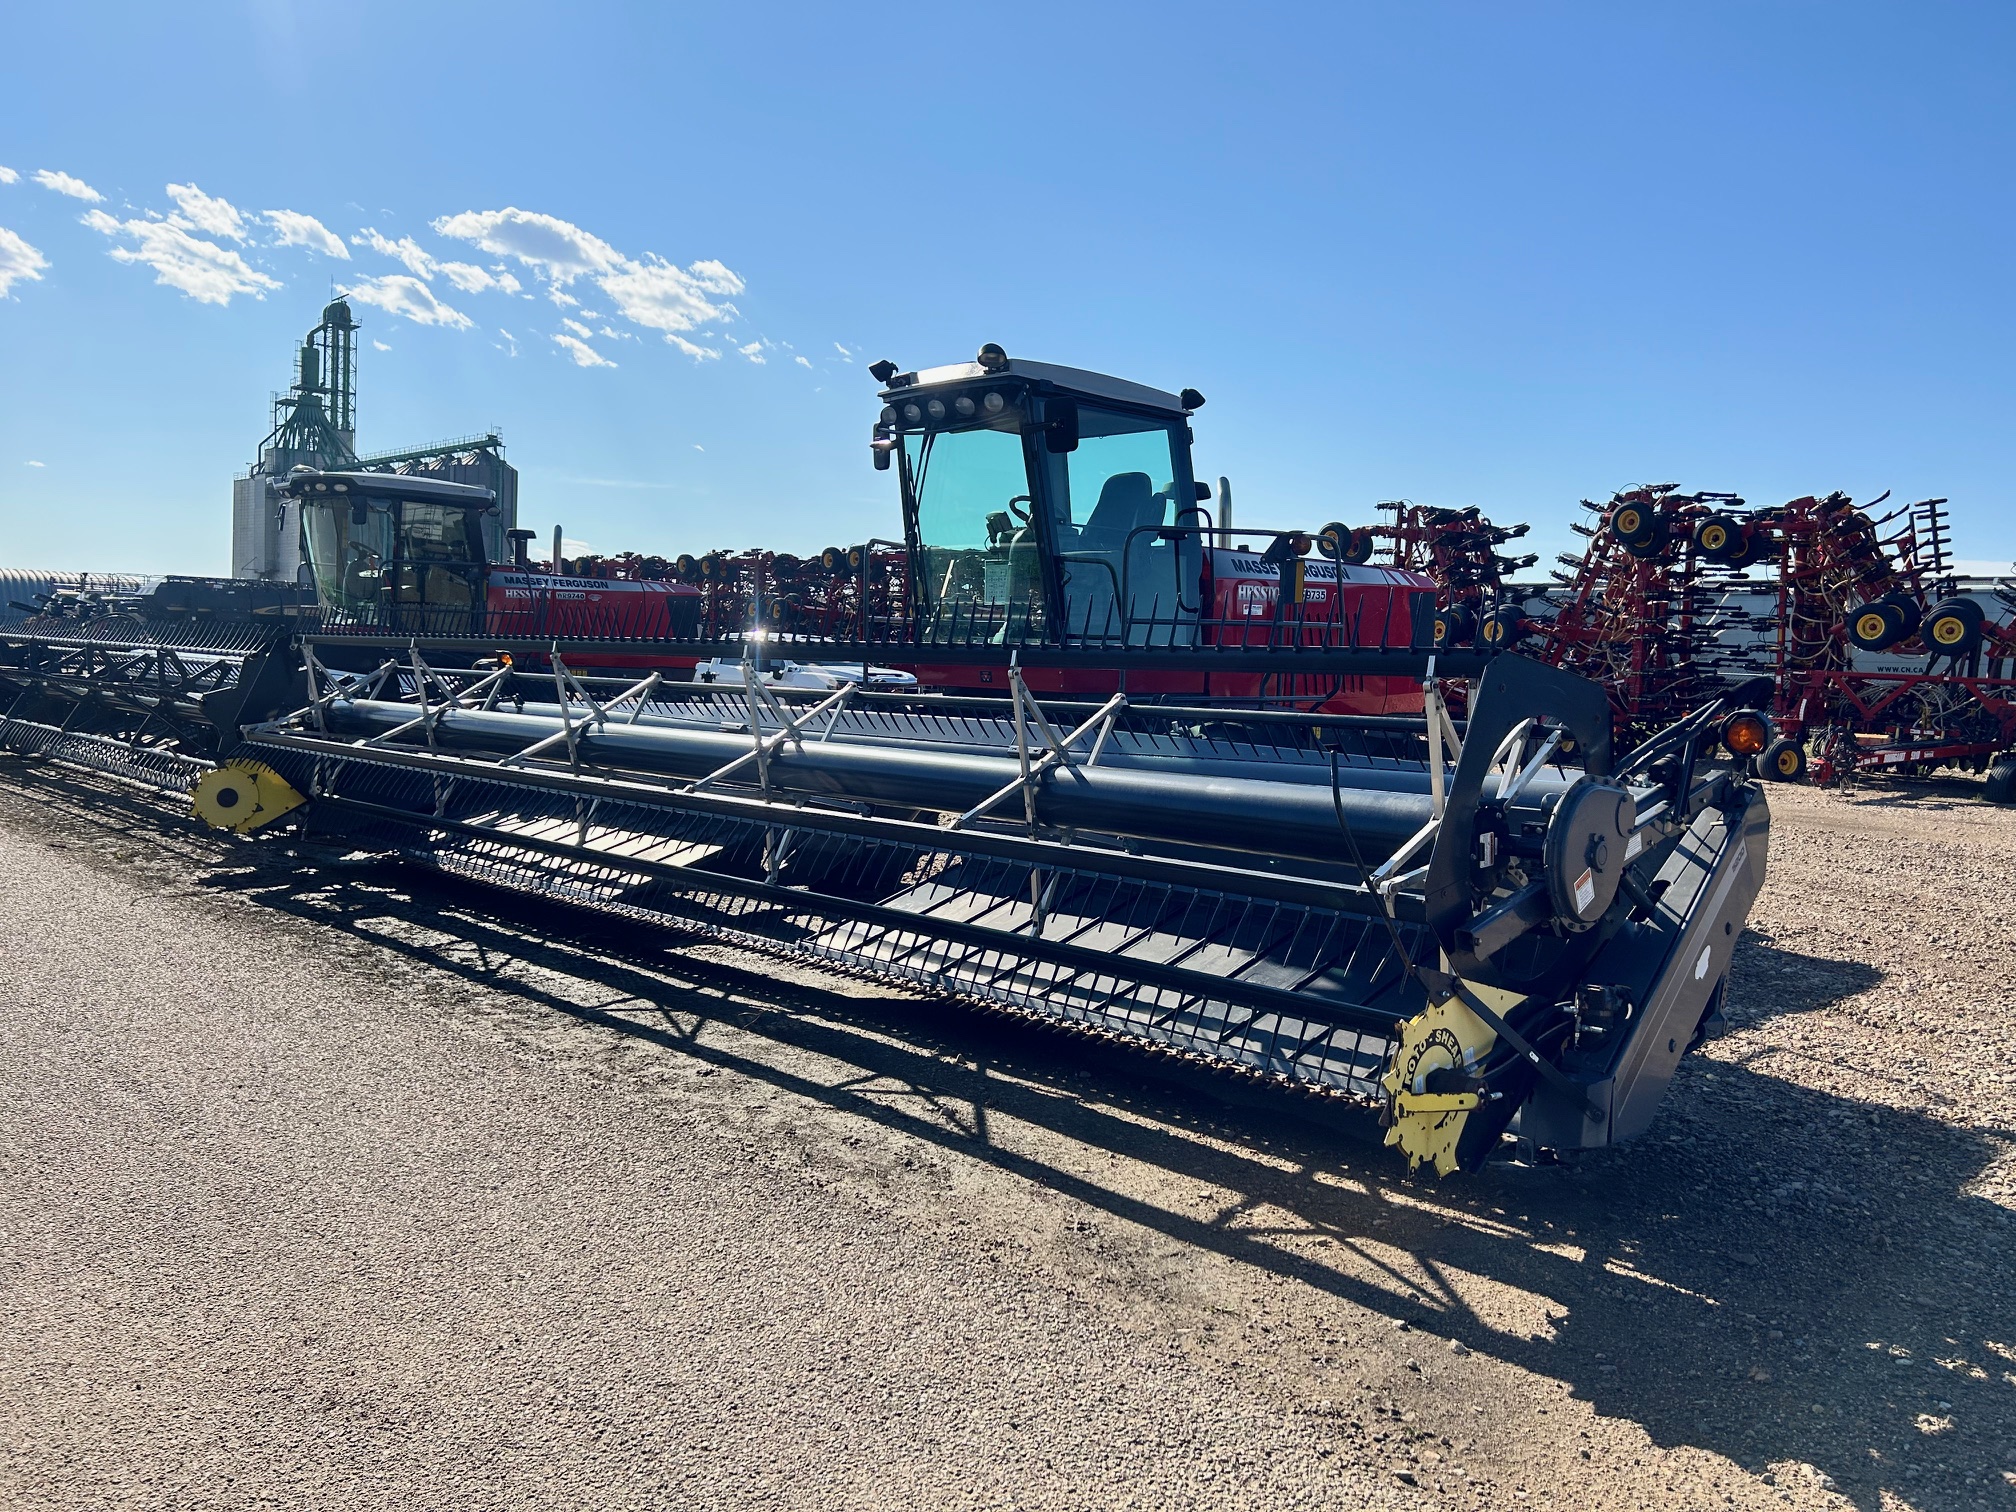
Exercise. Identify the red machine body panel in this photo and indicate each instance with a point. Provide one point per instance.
(1327, 604)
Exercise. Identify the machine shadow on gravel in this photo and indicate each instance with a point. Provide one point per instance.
(1771, 981)
(1774, 1274)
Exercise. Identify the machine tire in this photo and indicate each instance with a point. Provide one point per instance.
(1875, 626)
(1502, 629)
(1952, 628)
(1651, 547)
(1720, 537)
(1635, 525)
(1359, 551)
(1755, 539)
(1784, 760)
(2001, 784)
(1453, 627)
(1333, 540)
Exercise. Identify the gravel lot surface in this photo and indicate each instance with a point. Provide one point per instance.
(342, 1187)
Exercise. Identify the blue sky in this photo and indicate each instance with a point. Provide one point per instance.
(1466, 254)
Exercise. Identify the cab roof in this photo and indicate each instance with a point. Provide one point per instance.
(1078, 380)
(407, 486)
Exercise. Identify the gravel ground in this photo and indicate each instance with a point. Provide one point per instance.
(341, 1187)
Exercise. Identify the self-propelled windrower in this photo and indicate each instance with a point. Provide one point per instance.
(1472, 931)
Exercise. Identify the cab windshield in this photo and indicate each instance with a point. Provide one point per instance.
(980, 563)
(349, 550)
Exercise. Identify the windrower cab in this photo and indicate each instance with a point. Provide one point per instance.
(405, 555)
(1053, 506)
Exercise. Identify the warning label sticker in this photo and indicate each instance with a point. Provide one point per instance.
(1585, 891)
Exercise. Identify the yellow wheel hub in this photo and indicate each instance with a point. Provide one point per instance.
(1446, 1037)
(243, 795)
(1714, 538)
(1872, 627)
(1627, 521)
(1948, 630)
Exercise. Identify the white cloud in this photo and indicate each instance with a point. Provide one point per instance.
(649, 291)
(397, 294)
(509, 338)
(63, 183)
(557, 250)
(8, 175)
(715, 277)
(657, 294)
(405, 250)
(471, 279)
(379, 346)
(197, 211)
(753, 351)
(38, 464)
(698, 447)
(802, 362)
(18, 260)
(845, 355)
(577, 328)
(583, 354)
(298, 230)
(204, 271)
(615, 335)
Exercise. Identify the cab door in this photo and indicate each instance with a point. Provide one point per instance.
(1129, 555)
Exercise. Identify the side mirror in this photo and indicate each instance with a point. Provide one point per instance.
(1203, 492)
(360, 513)
(881, 447)
(1060, 426)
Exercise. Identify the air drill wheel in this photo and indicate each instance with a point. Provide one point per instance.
(2001, 784)
(1784, 760)
(1875, 627)
(1719, 537)
(1952, 628)
(1502, 629)
(1634, 524)
(1749, 550)
(1453, 626)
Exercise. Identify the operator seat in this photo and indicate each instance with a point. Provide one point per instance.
(1128, 502)
(1109, 557)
